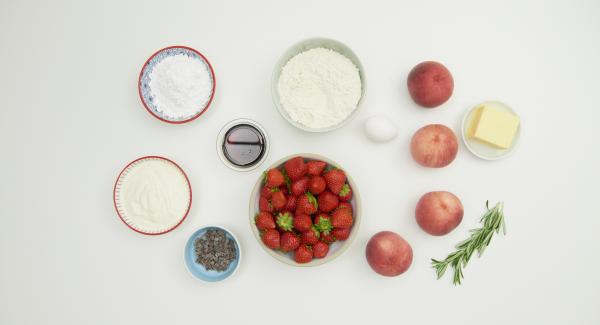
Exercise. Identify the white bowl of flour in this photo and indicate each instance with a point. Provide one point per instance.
(318, 85)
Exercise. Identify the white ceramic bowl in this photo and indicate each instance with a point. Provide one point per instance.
(306, 45)
(481, 149)
(338, 247)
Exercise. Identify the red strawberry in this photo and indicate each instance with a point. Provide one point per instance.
(271, 238)
(291, 203)
(345, 205)
(264, 220)
(274, 178)
(284, 188)
(346, 193)
(285, 221)
(307, 204)
(317, 185)
(311, 236)
(302, 222)
(300, 186)
(303, 254)
(323, 223)
(342, 218)
(328, 201)
(328, 238)
(266, 192)
(289, 241)
(278, 200)
(341, 233)
(320, 249)
(265, 205)
(335, 178)
(315, 167)
(295, 168)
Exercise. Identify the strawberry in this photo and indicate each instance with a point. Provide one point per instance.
(341, 233)
(264, 220)
(341, 218)
(302, 222)
(291, 203)
(266, 192)
(278, 200)
(285, 221)
(335, 178)
(289, 241)
(328, 238)
(315, 167)
(274, 178)
(264, 205)
(295, 168)
(303, 254)
(345, 205)
(271, 238)
(320, 249)
(317, 185)
(311, 236)
(283, 188)
(328, 201)
(300, 186)
(346, 193)
(307, 204)
(323, 223)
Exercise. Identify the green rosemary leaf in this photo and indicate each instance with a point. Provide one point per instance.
(492, 222)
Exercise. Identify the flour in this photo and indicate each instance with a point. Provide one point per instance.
(181, 86)
(319, 88)
(153, 195)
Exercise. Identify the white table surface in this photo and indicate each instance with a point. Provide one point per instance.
(71, 119)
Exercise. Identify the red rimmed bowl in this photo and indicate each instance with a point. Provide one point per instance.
(135, 209)
(337, 247)
(145, 91)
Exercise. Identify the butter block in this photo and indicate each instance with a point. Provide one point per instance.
(494, 127)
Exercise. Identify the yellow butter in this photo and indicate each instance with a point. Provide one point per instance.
(494, 127)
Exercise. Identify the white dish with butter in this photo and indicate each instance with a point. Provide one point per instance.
(489, 151)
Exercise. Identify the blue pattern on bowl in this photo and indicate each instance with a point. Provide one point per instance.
(144, 85)
(197, 269)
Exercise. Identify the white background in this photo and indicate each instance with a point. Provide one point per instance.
(71, 119)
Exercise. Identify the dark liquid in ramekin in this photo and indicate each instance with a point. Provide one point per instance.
(244, 145)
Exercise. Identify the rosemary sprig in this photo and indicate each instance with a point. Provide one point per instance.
(493, 222)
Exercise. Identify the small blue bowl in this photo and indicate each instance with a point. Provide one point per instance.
(198, 270)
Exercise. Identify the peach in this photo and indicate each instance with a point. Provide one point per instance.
(389, 254)
(434, 146)
(430, 84)
(439, 212)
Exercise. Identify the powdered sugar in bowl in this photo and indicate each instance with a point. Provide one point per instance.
(318, 85)
(176, 84)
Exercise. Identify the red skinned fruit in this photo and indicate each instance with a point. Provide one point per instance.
(285, 221)
(335, 179)
(342, 218)
(300, 186)
(270, 238)
(311, 236)
(264, 220)
(317, 185)
(278, 200)
(295, 168)
(289, 241)
(340, 233)
(291, 203)
(307, 204)
(346, 193)
(274, 178)
(302, 222)
(303, 254)
(316, 167)
(320, 249)
(264, 205)
(328, 201)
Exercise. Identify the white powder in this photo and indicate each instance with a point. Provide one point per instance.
(153, 195)
(181, 86)
(319, 88)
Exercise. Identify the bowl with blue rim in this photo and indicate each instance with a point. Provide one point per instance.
(200, 271)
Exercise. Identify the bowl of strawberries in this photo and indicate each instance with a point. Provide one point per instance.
(305, 210)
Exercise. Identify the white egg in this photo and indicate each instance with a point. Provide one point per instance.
(380, 128)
